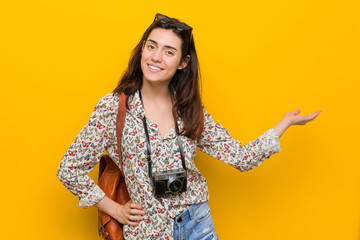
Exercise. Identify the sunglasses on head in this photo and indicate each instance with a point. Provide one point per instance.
(179, 25)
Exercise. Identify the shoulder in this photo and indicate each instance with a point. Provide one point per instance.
(109, 98)
(206, 114)
(209, 121)
(109, 102)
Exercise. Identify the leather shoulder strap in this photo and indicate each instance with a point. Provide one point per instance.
(120, 123)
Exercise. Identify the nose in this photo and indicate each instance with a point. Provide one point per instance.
(156, 56)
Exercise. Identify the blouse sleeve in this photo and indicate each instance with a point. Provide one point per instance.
(84, 153)
(217, 142)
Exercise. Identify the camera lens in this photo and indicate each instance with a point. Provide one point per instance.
(175, 185)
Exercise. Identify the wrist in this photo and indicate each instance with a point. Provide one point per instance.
(108, 206)
(284, 124)
(287, 122)
(117, 211)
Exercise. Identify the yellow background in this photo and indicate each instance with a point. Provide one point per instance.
(259, 59)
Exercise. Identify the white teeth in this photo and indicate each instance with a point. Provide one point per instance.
(153, 67)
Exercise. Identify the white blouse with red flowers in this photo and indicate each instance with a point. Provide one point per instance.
(99, 134)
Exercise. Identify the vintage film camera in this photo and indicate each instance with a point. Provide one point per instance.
(170, 181)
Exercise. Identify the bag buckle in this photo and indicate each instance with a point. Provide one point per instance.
(103, 231)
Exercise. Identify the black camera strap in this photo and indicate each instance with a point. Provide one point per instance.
(148, 146)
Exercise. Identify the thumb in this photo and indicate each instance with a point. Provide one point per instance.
(296, 112)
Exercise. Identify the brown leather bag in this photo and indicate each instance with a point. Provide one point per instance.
(111, 181)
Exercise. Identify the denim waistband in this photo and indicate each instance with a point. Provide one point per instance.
(189, 213)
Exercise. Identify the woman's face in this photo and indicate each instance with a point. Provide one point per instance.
(161, 56)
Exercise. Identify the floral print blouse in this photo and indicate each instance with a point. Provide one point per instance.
(99, 134)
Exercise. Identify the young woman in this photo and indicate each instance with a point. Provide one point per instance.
(161, 85)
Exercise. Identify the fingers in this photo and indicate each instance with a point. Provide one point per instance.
(135, 206)
(131, 223)
(313, 115)
(137, 212)
(133, 219)
(133, 213)
(316, 113)
(301, 120)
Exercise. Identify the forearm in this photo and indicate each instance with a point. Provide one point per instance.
(217, 142)
(281, 127)
(108, 206)
(242, 157)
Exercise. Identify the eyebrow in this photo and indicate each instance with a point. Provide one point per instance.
(167, 46)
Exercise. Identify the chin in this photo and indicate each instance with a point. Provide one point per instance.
(156, 81)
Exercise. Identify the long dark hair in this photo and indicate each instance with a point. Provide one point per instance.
(184, 86)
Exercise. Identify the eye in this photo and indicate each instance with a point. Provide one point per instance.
(169, 52)
(150, 46)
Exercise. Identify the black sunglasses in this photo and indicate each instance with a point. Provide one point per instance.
(179, 25)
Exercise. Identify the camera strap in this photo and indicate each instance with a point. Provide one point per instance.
(148, 146)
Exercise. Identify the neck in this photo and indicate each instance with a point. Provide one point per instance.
(155, 92)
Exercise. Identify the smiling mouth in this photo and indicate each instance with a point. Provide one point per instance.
(154, 68)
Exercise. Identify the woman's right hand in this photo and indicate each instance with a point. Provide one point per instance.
(130, 213)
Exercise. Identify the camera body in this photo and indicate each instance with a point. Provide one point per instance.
(170, 181)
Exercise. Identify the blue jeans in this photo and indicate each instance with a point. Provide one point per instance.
(195, 223)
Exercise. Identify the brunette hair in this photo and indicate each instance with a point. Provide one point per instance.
(184, 85)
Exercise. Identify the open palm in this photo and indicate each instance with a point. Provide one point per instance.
(300, 120)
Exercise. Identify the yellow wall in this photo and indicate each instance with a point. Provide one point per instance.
(259, 60)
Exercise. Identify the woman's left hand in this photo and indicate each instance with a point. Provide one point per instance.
(292, 118)
(300, 120)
